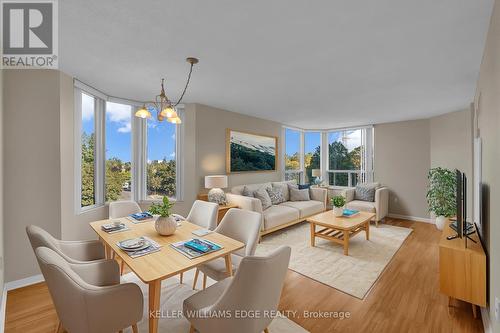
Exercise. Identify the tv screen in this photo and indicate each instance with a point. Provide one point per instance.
(459, 189)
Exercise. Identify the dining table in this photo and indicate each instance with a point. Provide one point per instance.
(155, 267)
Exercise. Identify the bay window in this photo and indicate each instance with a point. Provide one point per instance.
(293, 160)
(312, 154)
(120, 156)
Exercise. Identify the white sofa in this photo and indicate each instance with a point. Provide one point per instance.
(283, 215)
(380, 206)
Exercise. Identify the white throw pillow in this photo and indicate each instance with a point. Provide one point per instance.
(299, 195)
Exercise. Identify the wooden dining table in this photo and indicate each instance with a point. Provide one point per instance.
(154, 267)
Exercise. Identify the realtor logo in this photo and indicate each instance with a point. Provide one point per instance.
(29, 36)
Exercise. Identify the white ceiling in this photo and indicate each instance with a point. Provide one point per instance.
(311, 64)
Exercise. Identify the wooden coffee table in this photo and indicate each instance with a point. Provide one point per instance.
(339, 229)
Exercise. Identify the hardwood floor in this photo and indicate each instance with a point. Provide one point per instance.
(406, 298)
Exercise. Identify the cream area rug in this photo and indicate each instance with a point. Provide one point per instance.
(354, 274)
(173, 294)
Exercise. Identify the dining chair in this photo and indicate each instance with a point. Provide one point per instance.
(255, 290)
(202, 213)
(119, 209)
(238, 224)
(72, 251)
(85, 301)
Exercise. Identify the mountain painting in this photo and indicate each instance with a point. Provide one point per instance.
(250, 152)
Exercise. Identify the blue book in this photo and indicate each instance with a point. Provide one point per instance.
(141, 216)
(350, 212)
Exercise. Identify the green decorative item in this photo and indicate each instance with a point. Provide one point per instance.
(338, 203)
(441, 195)
(165, 224)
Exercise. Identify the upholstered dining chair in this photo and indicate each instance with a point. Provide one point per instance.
(255, 288)
(72, 251)
(239, 224)
(118, 209)
(88, 297)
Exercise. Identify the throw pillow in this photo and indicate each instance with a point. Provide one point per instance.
(293, 186)
(304, 186)
(365, 192)
(299, 195)
(276, 195)
(263, 196)
(246, 192)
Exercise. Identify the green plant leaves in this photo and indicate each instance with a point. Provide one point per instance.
(441, 195)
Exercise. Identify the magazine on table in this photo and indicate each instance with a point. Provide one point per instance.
(350, 212)
(138, 247)
(196, 247)
(141, 217)
(113, 227)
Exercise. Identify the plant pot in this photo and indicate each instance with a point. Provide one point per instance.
(338, 211)
(441, 221)
(165, 225)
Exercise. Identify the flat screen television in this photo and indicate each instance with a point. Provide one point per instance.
(459, 202)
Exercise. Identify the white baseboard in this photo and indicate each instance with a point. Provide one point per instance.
(485, 316)
(24, 282)
(411, 218)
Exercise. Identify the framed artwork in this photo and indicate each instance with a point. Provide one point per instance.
(248, 152)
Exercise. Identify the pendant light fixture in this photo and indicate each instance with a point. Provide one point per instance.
(162, 105)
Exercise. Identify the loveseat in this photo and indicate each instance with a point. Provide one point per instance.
(283, 214)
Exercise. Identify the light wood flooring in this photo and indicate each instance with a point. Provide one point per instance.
(406, 298)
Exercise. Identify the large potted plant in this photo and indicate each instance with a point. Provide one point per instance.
(165, 224)
(441, 195)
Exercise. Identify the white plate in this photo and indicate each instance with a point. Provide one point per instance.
(133, 244)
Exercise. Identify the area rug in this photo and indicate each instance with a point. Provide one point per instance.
(173, 294)
(354, 274)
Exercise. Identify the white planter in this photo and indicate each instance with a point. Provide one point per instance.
(441, 221)
(165, 225)
(338, 211)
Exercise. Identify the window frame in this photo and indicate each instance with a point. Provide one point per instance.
(138, 149)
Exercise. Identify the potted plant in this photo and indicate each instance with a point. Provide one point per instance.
(165, 224)
(338, 203)
(441, 195)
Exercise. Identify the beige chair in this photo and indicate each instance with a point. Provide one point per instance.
(255, 289)
(202, 213)
(72, 251)
(88, 297)
(242, 225)
(380, 206)
(118, 209)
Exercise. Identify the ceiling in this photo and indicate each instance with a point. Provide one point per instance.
(310, 64)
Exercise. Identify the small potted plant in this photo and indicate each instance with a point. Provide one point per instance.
(338, 203)
(165, 224)
(441, 195)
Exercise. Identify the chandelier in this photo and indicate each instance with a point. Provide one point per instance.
(162, 105)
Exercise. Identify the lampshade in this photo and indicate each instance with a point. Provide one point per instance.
(169, 112)
(175, 120)
(216, 181)
(316, 173)
(143, 113)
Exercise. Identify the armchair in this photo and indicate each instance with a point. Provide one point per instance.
(380, 206)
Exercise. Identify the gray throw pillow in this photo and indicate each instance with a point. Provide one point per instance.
(365, 192)
(263, 196)
(299, 195)
(276, 195)
(246, 192)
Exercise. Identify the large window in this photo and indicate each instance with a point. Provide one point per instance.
(293, 168)
(312, 154)
(161, 163)
(122, 157)
(118, 152)
(88, 153)
(349, 156)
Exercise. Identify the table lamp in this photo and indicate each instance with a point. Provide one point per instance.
(316, 173)
(216, 184)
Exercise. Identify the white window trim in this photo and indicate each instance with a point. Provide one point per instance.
(138, 146)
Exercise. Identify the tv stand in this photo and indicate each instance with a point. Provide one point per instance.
(462, 269)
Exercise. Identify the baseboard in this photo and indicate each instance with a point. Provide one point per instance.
(411, 218)
(485, 316)
(24, 282)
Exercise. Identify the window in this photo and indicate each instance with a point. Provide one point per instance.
(122, 157)
(312, 154)
(349, 156)
(161, 162)
(118, 152)
(293, 169)
(88, 151)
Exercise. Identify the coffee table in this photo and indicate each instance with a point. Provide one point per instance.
(339, 229)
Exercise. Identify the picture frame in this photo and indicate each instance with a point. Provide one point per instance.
(250, 152)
